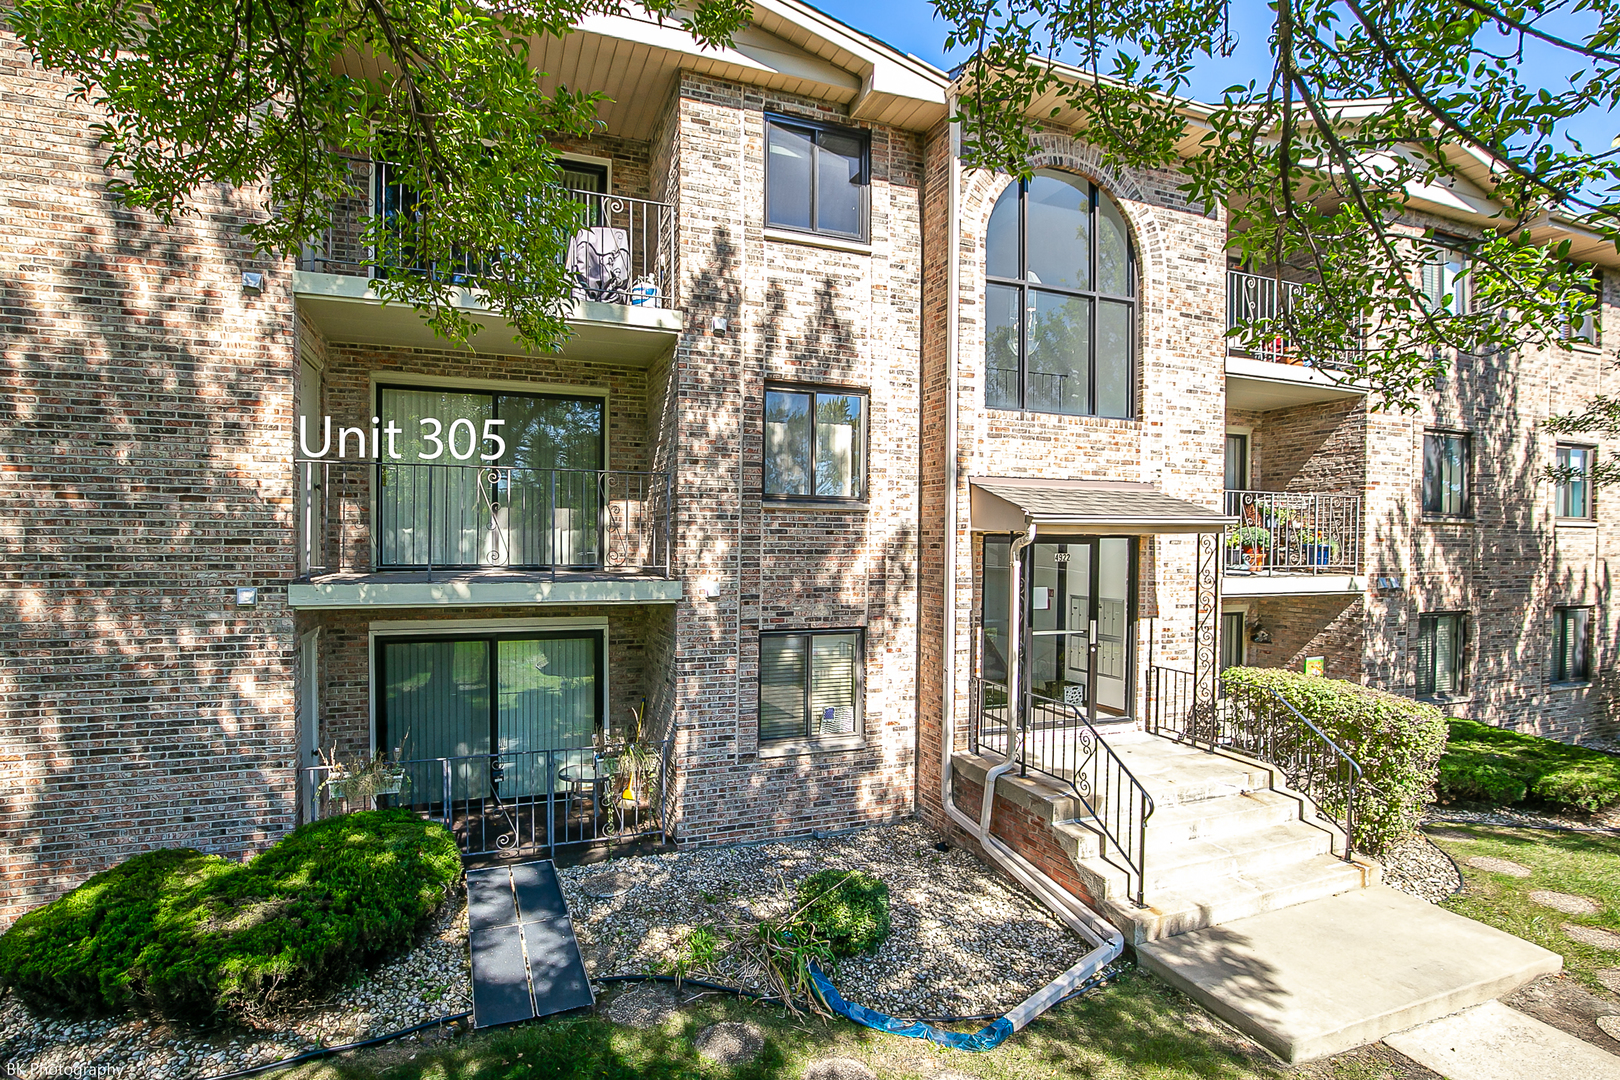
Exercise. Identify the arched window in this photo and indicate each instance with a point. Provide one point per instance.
(1060, 300)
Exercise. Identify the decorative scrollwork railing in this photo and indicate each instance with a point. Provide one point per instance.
(1059, 742)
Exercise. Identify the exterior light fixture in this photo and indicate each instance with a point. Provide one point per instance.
(252, 281)
(247, 596)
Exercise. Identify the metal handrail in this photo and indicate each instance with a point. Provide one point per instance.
(1065, 747)
(1312, 762)
(362, 516)
(1304, 532)
(1260, 299)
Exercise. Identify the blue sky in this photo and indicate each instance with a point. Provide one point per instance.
(910, 26)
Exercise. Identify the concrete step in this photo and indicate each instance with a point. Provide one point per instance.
(1206, 863)
(1209, 819)
(1240, 896)
(1321, 977)
(1175, 775)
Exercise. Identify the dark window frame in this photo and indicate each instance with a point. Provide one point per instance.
(1438, 251)
(1428, 626)
(1094, 296)
(817, 128)
(816, 390)
(1560, 455)
(1587, 332)
(1560, 674)
(1467, 509)
(807, 738)
(380, 642)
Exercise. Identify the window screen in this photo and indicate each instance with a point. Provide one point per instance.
(1575, 491)
(815, 444)
(809, 685)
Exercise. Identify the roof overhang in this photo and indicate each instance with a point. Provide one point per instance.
(1012, 504)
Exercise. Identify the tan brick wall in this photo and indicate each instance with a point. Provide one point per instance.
(144, 451)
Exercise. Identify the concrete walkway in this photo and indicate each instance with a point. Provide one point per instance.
(1494, 1042)
(1339, 972)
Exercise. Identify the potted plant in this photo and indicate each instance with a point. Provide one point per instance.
(359, 780)
(1321, 549)
(632, 772)
(1253, 540)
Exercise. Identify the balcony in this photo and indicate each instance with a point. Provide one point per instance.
(1274, 376)
(1289, 543)
(376, 534)
(623, 307)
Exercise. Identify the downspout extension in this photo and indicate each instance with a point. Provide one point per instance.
(1107, 942)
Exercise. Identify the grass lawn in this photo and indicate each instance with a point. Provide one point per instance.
(1582, 864)
(1138, 1028)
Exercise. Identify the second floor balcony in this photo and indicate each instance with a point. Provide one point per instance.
(1289, 542)
(383, 534)
(1271, 372)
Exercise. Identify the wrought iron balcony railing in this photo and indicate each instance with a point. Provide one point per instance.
(1291, 533)
(364, 517)
(1259, 298)
(622, 254)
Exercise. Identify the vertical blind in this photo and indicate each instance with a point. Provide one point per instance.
(1440, 653)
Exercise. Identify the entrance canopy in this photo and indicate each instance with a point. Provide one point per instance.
(1008, 504)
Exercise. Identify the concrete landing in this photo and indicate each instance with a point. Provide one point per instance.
(1494, 1042)
(1342, 971)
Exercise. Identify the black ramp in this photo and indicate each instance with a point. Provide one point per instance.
(500, 977)
(556, 969)
(539, 893)
(489, 898)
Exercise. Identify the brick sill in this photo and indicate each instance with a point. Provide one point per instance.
(770, 502)
(1575, 523)
(1431, 699)
(831, 243)
(1446, 519)
(804, 749)
(1559, 687)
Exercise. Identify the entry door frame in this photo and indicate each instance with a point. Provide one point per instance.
(1133, 576)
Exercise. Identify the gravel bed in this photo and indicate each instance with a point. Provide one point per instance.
(963, 941)
(1419, 868)
(1603, 821)
(430, 981)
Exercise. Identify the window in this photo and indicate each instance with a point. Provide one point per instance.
(1445, 474)
(1575, 489)
(1585, 326)
(1443, 278)
(809, 685)
(816, 178)
(1237, 462)
(1442, 639)
(815, 444)
(1233, 639)
(1060, 310)
(1571, 656)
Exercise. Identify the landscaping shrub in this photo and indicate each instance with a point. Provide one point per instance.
(1396, 741)
(1498, 766)
(187, 935)
(847, 909)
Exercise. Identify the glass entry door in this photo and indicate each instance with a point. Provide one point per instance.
(1078, 598)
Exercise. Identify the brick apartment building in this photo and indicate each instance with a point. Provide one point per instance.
(767, 496)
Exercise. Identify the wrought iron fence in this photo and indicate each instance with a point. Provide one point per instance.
(368, 517)
(522, 802)
(623, 253)
(1263, 725)
(1296, 533)
(1059, 742)
(1256, 300)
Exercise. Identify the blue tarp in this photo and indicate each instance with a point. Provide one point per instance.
(986, 1038)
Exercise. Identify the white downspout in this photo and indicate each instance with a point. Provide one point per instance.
(1107, 941)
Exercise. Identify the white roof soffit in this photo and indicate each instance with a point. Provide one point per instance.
(788, 47)
(1010, 504)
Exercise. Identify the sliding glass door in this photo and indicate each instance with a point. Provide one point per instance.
(539, 504)
(530, 703)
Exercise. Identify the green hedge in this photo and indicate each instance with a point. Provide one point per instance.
(847, 909)
(187, 935)
(1396, 741)
(1494, 765)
